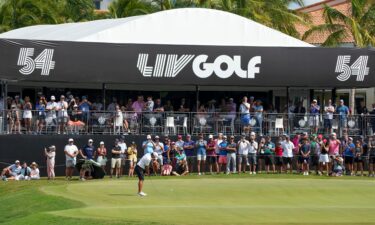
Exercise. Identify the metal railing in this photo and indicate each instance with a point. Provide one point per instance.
(137, 123)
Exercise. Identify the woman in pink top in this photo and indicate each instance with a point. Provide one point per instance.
(333, 149)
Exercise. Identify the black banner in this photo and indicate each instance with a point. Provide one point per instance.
(82, 62)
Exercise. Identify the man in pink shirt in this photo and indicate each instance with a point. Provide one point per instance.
(138, 105)
(333, 149)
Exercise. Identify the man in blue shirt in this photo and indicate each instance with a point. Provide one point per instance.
(349, 155)
(88, 153)
(343, 112)
(189, 151)
(148, 145)
(223, 153)
(11, 171)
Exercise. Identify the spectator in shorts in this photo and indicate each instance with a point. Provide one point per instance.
(231, 155)
(102, 155)
(148, 145)
(140, 169)
(51, 112)
(260, 157)
(358, 161)
(288, 147)
(343, 112)
(323, 158)
(315, 152)
(243, 151)
(245, 114)
(334, 149)
(349, 156)
(314, 116)
(269, 151)
(371, 155)
(62, 114)
(12, 171)
(71, 152)
(211, 155)
(279, 156)
(201, 146)
(116, 159)
(305, 150)
(328, 117)
(217, 148)
(132, 157)
(159, 146)
(123, 154)
(189, 151)
(27, 114)
(253, 153)
(41, 112)
(50, 154)
(223, 153)
(87, 153)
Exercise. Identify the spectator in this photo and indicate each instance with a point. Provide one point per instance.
(231, 155)
(116, 159)
(34, 172)
(62, 114)
(288, 147)
(159, 146)
(371, 155)
(167, 147)
(148, 145)
(305, 151)
(158, 107)
(27, 114)
(372, 118)
(334, 148)
(71, 152)
(129, 105)
(12, 171)
(361, 110)
(315, 151)
(314, 116)
(328, 117)
(245, 114)
(112, 106)
(172, 154)
(243, 151)
(181, 168)
(132, 157)
(269, 152)
(201, 146)
(168, 107)
(14, 124)
(149, 105)
(189, 151)
(217, 148)
(51, 112)
(223, 153)
(102, 155)
(223, 107)
(41, 111)
(118, 121)
(87, 153)
(75, 124)
(299, 112)
(50, 154)
(24, 173)
(258, 109)
(358, 161)
(231, 106)
(323, 158)
(261, 150)
(349, 149)
(343, 112)
(138, 105)
(279, 156)
(253, 153)
(211, 155)
(84, 106)
(123, 154)
(180, 143)
(338, 167)
(183, 106)
(97, 105)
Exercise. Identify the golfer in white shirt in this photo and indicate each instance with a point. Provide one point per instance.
(143, 163)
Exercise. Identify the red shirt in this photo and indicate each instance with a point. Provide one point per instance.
(279, 151)
(211, 148)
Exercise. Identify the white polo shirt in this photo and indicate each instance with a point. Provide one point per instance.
(253, 147)
(145, 161)
(70, 149)
(287, 149)
(243, 147)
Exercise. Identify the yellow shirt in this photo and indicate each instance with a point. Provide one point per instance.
(132, 154)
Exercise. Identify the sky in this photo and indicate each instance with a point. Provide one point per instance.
(307, 2)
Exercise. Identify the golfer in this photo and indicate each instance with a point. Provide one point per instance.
(143, 163)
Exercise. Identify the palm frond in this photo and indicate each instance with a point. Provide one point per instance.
(335, 38)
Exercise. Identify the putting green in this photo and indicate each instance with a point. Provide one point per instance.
(224, 201)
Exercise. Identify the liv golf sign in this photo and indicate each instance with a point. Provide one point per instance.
(224, 66)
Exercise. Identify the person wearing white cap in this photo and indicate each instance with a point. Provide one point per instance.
(253, 153)
(62, 114)
(71, 152)
(102, 155)
(314, 116)
(211, 154)
(50, 154)
(148, 145)
(343, 112)
(231, 155)
(245, 114)
(201, 146)
(51, 112)
(88, 153)
(288, 147)
(116, 159)
(159, 147)
(12, 171)
(243, 151)
(141, 167)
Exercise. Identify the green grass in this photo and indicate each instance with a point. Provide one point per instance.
(264, 199)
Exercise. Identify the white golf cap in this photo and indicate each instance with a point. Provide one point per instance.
(17, 161)
(252, 134)
(53, 97)
(155, 154)
(156, 137)
(314, 100)
(52, 147)
(70, 139)
(90, 140)
(102, 142)
(148, 136)
(210, 136)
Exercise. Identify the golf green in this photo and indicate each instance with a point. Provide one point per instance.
(241, 200)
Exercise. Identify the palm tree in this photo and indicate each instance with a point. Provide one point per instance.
(358, 23)
(78, 10)
(126, 8)
(20, 13)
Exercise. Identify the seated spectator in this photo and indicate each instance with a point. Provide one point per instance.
(24, 173)
(34, 173)
(181, 167)
(12, 171)
(158, 107)
(338, 167)
(75, 124)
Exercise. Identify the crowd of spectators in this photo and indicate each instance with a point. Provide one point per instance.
(300, 154)
(73, 114)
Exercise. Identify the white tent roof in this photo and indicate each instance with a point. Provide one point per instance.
(187, 26)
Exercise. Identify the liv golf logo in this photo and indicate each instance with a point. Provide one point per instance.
(358, 68)
(170, 65)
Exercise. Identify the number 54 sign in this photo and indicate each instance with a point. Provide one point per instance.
(43, 61)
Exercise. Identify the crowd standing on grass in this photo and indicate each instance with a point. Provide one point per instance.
(300, 154)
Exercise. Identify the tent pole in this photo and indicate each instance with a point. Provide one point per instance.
(103, 94)
(334, 96)
(197, 97)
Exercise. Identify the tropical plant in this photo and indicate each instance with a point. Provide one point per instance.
(358, 22)
(78, 10)
(125, 8)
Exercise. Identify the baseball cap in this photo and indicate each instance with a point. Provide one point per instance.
(232, 137)
(179, 136)
(155, 154)
(17, 161)
(148, 136)
(52, 147)
(173, 143)
(53, 97)
(314, 100)
(90, 140)
(188, 135)
(62, 96)
(156, 137)
(225, 136)
(350, 138)
(320, 136)
(231, 99)
(210, 136)
(102, 143)
(70, 139)
(252, 134)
